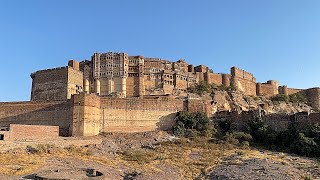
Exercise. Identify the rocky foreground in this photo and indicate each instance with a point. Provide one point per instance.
(152, 155)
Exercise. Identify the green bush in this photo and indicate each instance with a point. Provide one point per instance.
(297, 98)
(261, 132)
(294, 98)
(280, 97)
(242, 136)
(200, 88)
(237, 138)
(195, 123)
(305, 146)
(300, 141)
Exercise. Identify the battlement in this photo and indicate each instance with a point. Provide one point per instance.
(74, 64)
(49, 70)
(237, 72)
(201, 68)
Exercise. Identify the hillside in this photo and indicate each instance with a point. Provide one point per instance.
(155, 155)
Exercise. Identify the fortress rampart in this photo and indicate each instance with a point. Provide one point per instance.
(37, 113)
(115, 92)
(89, 114)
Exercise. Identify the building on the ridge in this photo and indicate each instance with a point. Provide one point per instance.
(121, 75)
(115, 92)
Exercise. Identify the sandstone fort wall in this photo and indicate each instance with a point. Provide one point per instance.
(313, 96)
(269, 89)
(243, 81)
(50, 84)
(138, 115)
(215, 79)
(37, 113)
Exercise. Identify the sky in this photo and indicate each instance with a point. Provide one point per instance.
(272, 39)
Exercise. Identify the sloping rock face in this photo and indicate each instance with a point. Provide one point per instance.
(237, 101)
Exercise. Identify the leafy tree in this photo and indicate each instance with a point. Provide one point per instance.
(305, 146)
(262, 133)
(196, 122)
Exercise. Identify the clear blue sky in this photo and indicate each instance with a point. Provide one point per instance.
(273, 39)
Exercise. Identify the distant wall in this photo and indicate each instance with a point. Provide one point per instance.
(243, 81)
(293, 91)
(269, 89)
(313, 96)
(37, 113)
(215, 79)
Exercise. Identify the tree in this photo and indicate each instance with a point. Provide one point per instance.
(197, 122)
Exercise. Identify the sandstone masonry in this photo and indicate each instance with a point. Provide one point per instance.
(120, 75)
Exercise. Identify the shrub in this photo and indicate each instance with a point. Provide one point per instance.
(314, 132)
(237, 138)
(242, 136)
(262, 133)
(305, 146)
(280, 97)
(39, 149)
(298, 97)
(193, 123)
(224, 125)
(222, 87)
(200, 88)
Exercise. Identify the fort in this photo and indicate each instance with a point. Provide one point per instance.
(115, 92)
(121, 75)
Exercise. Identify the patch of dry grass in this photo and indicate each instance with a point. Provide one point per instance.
(189, 158)
(20, 163)
(24, 161)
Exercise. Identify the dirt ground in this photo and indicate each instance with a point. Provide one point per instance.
(150, 155)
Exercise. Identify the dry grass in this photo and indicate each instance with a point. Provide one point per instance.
(18, 164)
(24, 161)
(189, 158)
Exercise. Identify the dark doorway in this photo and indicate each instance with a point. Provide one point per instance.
(1, 137)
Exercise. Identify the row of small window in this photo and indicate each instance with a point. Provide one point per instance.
(110, 65)
(168, 76)
(111, 73)
(155, 76)
(133, 75)
(168, 82)
(109, 57)
(133, 68)
(155, 70)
